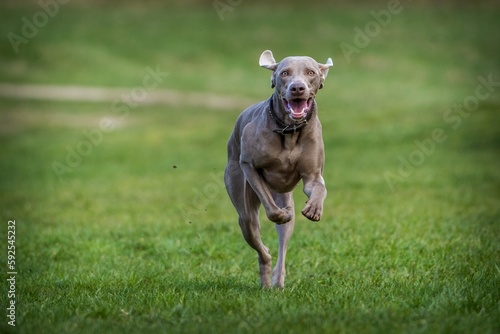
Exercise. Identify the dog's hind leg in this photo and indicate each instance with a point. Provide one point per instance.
(284, 233)
(247, 205)
(250, 227)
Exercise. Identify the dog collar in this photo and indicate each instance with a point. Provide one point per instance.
(287, 128)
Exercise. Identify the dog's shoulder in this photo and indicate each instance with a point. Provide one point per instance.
(255, 109)
(251, 114)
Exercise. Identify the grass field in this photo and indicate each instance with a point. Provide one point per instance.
(135, 233)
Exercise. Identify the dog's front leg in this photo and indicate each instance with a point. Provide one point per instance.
(314, 188)
(274, 213)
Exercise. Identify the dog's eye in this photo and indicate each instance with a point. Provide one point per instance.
(311, 73)
(284, 73)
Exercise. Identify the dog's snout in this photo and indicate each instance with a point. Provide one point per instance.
(297, 88)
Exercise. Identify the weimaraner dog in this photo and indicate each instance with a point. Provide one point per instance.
(275, 144)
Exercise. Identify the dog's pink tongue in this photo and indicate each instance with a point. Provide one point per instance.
(298, 108)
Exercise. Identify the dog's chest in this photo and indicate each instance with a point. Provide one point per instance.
(286, 160)
(280, 166)
(280, 152)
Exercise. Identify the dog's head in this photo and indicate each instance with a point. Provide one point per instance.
(297, 80)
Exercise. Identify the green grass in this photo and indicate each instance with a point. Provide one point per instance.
(141, 237)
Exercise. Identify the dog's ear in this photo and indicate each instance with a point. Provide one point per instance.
(324, 70)
(267, 61)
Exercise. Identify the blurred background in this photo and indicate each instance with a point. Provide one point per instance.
(400, 66)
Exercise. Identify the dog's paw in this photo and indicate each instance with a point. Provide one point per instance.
(281, 216)
(312, 211)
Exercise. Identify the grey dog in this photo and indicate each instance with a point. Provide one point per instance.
(275, 144)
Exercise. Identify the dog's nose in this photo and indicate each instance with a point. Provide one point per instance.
(297, 88)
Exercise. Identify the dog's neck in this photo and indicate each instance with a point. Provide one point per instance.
(286, 125)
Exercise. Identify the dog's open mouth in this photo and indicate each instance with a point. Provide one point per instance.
(297, 108)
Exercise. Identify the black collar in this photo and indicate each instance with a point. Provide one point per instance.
(285, 128)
